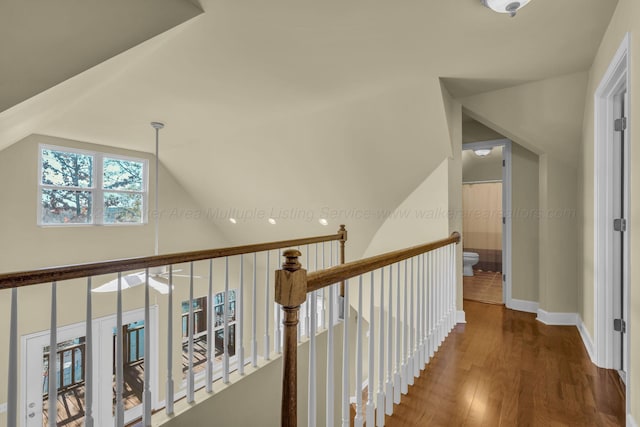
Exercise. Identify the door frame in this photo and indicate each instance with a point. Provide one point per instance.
(615, 80)
(506, 210)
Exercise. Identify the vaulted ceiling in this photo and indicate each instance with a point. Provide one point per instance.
(282, 104)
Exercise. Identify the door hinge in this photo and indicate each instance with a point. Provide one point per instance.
(619, 224)
(619, 325)
(504, 277)
(620, 124)
(504, 163)
(504, 220)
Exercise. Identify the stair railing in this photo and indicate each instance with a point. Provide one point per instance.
(57, 276)
(422, 279)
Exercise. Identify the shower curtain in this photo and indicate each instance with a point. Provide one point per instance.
(482, 223)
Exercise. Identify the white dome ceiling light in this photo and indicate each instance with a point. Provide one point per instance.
(505, 6)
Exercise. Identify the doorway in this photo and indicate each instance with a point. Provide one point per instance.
(486, 228)
(70, 372)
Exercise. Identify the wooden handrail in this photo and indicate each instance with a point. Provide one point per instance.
(54, 274)
(320, 279)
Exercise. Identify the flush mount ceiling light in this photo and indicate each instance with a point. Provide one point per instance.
(482, 152)
(272, 221)
(323, 221)
(505, 6)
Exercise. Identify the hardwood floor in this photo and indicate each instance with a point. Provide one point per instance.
(504, 368)
(483, 286)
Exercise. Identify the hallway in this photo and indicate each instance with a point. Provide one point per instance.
(504, 368)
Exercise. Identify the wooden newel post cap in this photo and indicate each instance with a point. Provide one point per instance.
(291, 263)
(343, 230)
(291, 281)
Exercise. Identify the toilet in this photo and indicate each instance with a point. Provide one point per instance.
(469, 260)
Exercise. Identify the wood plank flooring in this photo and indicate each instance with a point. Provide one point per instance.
(504, 368)
(483, 286)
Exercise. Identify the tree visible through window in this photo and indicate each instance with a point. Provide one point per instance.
(78, 187)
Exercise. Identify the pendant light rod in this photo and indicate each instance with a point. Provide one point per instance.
(157, 126)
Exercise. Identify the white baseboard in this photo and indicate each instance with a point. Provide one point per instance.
(523, 305)
(587, 340)
(559, 319)
(630, 421)
(461, 317)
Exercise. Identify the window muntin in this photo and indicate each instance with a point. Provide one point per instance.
(81, 187)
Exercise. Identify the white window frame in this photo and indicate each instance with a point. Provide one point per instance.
(97, 191)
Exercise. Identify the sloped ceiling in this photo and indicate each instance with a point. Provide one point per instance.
(304, 107)
(46, 42)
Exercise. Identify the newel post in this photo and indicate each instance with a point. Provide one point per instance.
(290, 292)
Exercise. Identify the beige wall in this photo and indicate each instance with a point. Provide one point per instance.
(625, 19)
(548, 122)
(26, 245)
(524, 224)
(473, 131)
(487, 168)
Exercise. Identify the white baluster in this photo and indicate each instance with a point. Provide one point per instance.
(330, 390)
(420, 350)
(278, 322)
(119, 357)
(225, 314)
(311, 394)
(441, 289)
(88, 360)
(254, 316)
(210, 326)
(415, 278)
(345, 360)
(454, 289)
(380, 398)
(323, 310)
(425, 313)
(267, 304)
(53, 362)
(307, 323)
(358, 420)
(411, 360)
(190, 326)
(432, 304)
(169, 384)
(146, 395)
(12, 375)
(397, 377)
(389, 389)
(240, 322)
(405, 332)
(371, 366)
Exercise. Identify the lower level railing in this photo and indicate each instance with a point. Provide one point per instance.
(411, 307)
(115, 326)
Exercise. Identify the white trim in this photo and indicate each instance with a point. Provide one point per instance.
(630, 421)
(523, 305)
(586, 340)
(557, 319)
(461, 316)
(617, 76)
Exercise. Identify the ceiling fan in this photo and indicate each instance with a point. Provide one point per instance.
(158, 276)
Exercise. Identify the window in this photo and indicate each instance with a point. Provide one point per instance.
(82, 187)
